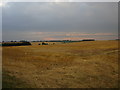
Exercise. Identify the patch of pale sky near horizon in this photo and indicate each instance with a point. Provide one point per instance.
(58, 35)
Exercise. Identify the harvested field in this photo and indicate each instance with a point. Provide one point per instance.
(91, 64)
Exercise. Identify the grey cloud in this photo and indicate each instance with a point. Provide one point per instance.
(60, 17)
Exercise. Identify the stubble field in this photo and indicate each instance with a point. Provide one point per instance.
(92, 64)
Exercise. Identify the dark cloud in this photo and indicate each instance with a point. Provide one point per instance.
(19, 18)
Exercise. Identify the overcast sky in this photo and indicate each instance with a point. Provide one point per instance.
(56, 21)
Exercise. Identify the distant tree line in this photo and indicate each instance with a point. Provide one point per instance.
(117, 39)
(15, 43)
(43, 43)
(25, 42)
(64, 41)
(56, 41)
(88, 40)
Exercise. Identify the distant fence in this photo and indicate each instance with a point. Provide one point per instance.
(15, 43)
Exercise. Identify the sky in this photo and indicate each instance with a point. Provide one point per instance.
(59, 20)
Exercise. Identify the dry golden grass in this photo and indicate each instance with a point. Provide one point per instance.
(91, 64)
